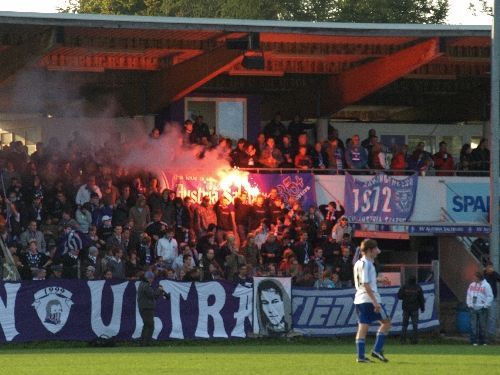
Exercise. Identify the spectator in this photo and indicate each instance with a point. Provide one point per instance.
(251, 252)
(377, 157)
(413, 300)
(32, 233)
(443, 161)
(205, 215)
(270, 250)
(83, 194)
(271, 156)
(398, 162)
(302, 160)
(366, 142)
(356, 156)
(84, 217)
(481, 156)
(241, 212)
(200, 129)
(341, 228)
(167, 249)
(325, 281)
(465, 161)
(71, 264)
(287, 151)
(420, 160)
(140, 215)
(275, 129)
(335, 155)
(242, 277)
(188, 134)
(238, 154)
(33, 259)
(479, 299)
(493, 278)
(344, 267)
(319, 157)
(115, 264)
(225, 218)
(93, 260)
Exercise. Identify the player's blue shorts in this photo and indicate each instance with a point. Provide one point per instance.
(367, 314)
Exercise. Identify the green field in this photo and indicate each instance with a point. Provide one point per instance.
(251, 357)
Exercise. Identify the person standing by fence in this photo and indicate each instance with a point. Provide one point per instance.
(479, 299)
(413, 300)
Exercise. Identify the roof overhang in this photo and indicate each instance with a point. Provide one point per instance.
(237, 25)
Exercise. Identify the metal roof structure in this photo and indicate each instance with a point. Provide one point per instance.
(147, 63)
(239, 25)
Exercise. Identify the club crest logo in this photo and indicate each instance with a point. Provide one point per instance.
(404, 200)
(53, 305)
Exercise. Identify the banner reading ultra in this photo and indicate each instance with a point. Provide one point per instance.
(85, 310)
(380, 199)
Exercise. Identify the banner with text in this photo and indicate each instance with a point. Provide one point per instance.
(380, 199)
(196, 185)
(331, 312)
(80, 310)
(468, 202)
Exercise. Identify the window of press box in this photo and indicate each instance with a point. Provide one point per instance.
(225, 117)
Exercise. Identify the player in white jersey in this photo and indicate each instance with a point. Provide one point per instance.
(368, 302)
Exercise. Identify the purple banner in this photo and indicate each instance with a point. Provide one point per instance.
(79, 310)
(289, 185)
(380, 199)
(196, 185)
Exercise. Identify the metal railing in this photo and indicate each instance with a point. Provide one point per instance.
(394, 172)
(467, 241)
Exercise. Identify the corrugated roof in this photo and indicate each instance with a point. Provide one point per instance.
(232, 25)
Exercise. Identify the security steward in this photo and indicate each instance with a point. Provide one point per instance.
(146, 300)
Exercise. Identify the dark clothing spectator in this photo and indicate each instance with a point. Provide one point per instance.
(413, 300)
(276, 130)
(71, 266)
(356, 157)
(319, 159)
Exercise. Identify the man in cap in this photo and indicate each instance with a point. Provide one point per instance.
(146, 297)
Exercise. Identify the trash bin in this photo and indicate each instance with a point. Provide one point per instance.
(463, 319)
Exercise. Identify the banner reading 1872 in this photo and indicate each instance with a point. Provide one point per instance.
(380, 199)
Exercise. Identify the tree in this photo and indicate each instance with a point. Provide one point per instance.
(388, 11)
(484, 6)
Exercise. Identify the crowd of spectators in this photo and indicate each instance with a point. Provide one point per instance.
(67, 212)
(279, 146)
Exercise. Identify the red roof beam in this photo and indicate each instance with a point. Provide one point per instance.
(361, 81)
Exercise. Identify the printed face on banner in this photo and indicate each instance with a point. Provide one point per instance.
(272, 307)
(53, 305)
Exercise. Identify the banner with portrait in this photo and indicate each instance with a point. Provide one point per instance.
(85, 310)
(272, 315)
(380, 199)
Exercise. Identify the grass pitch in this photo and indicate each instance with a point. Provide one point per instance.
(249, 357)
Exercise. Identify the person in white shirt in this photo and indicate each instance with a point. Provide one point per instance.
(368, 302)
(83, 194)
(479, 299)
(167, 249)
